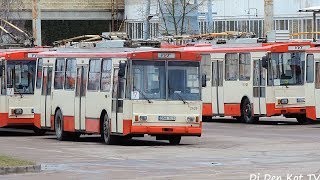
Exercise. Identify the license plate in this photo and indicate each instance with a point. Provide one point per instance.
(166, 118)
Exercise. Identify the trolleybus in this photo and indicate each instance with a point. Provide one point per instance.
(251, 82)
(17, 100)
(120, 94)
(312, 85)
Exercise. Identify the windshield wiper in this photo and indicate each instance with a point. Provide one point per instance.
(181, 98)
(144, 96)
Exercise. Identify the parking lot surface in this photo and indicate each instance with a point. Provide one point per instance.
(227, 150)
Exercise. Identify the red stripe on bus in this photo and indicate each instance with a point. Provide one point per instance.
(311, 112)
(68, 123)
(273, 111)
(6, 121)
(93, 125)
(206, 109)
(232, 110)
(52, 122)
(128, 128)
(37, 120)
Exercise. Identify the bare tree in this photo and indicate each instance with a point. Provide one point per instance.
(176, 13)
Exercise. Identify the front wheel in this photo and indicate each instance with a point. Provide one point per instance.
(246, 113)
(175, 140)
(106, 131)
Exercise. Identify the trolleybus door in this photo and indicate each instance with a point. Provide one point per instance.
(259, 88)
(80, 97)
(117, 100)
(3, 86)
(316, 90)
(46, 96)
(217, 87)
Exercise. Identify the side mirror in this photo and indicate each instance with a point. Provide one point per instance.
(264, 62)
(1, 70)
(122, 69)
(204, 80)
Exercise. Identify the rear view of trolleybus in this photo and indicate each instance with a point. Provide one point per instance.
(121, 94)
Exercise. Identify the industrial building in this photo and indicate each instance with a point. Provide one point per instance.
(227, 15)
(64, 19)
(143, 19)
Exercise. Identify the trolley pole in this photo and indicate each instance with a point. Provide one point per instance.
(268, 16)
(36, 22)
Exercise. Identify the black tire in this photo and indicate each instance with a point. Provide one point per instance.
(106, 131)
(246, 113)
(175, 140)
(39, 132)
(58, 127)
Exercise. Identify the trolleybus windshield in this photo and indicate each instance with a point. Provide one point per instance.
(20, 76)
(175, 80)
(286, 69)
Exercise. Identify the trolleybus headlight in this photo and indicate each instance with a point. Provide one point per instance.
(191, 118)
(143, 118)
(301, 100)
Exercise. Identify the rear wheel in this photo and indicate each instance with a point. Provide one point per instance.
(175, 140)
(58, 126)
(106, 131)
(246, 113)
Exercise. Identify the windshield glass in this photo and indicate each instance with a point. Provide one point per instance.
(183, 80)
(175, 80)
(20, 76)
(286, 69)
(149, 80)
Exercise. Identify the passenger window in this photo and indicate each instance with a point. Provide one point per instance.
(94, 74)
(231, 70)
(310, 68)
(106, 75)
(244, 66)
(39, 73)
(70, 74)
(59, 74)
(317, 75)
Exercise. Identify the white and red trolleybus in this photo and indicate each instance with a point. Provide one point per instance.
(312, 86)
(251, 82)
(17, 101)
(120, 94)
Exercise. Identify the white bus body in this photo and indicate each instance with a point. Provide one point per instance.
(242, 82)
(18, 105)
(81, 93)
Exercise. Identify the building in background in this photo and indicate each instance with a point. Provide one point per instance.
(67, 18)
(228, 15)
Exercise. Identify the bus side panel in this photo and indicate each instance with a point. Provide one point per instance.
(64, 99)
(206, 91)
